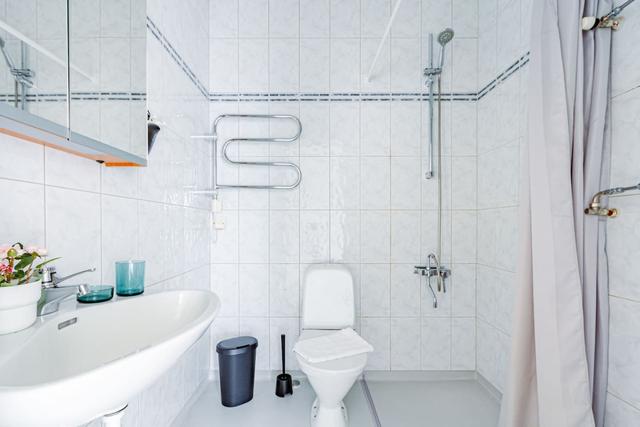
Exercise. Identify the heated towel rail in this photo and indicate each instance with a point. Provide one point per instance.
(225, 153)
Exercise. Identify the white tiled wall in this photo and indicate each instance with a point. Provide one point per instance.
(363, 200)
(623, 400)
(91, 215)
(503, 39)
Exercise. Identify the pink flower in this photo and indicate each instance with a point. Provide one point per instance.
(40, 251)
(5, 269)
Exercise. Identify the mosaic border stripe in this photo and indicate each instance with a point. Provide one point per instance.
(276, 97)
(336, 97)
(79, 96)
(520, 62)
(166, 44)
(371, 96)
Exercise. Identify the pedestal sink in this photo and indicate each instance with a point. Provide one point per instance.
(83, 364)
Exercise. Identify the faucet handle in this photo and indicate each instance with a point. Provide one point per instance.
(47, 274)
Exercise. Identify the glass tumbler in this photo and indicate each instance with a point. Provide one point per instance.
(129, 278)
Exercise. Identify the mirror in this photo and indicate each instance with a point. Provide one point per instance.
(33, 66)
(73, 76)
(108, 44)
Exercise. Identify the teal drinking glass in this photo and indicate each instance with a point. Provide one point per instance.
(129, 278)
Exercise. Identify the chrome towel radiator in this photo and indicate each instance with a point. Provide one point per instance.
(225, 153)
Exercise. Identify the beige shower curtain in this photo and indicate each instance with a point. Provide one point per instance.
(557, 374)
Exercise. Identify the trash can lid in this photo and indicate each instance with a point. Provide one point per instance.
(237, 343)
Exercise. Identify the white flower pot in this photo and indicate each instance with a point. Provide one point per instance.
(18, 306)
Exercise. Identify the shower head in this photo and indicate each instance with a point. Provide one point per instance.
(444, 37)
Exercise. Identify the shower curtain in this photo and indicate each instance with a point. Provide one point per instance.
(558, 369)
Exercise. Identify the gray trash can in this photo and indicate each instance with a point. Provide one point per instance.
(237, 363)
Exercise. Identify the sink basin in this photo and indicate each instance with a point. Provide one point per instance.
(82, 364)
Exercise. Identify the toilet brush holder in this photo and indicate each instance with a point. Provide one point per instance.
(284, 384)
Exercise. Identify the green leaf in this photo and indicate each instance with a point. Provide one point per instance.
(25, 261)
(42, 264)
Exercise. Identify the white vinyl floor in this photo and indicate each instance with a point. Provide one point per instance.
(459, 403)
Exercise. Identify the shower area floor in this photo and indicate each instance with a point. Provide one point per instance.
(437, 403)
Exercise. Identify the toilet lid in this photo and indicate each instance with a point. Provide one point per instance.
(350, 363)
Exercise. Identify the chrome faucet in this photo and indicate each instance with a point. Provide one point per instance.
(53, 293)
(434, 269)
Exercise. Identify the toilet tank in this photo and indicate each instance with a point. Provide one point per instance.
(327, 297)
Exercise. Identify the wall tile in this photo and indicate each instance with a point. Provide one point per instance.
(224, 282)
(314, 189)
(377, 332)
(463, 351)
(376, 244)
(120, 234)
(284, 236)
(436, 343)
(23, 219)
(314, 236)
(284, 18)
(375, 128)
(253, 290)
(314, 18)
(284, 286)
(375, 287)
(375, 183)
(221, 18)
(619, 413)
(405, 236)
(253, 18)
(284, 65)
(405, 183)
(345, 236)
(405, 344)
(253, 240)
(405, 291)
(345, 129)
(315, 65)
(345, 18)
(345, 65)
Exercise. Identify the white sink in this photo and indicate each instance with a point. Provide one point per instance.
(82, 364)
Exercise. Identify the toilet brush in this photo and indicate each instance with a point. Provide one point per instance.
(284, 385)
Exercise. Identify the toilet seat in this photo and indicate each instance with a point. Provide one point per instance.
(337, 366)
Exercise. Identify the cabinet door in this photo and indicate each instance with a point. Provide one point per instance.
(107, 47)
(33, 64)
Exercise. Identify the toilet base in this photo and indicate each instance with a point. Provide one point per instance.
(329, 417)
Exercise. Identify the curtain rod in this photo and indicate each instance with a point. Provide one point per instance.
(385, 35)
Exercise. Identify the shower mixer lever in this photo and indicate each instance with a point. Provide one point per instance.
(433, 270)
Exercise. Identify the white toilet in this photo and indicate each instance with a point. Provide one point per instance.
(328, 305)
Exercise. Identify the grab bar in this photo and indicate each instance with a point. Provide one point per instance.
(225, 153)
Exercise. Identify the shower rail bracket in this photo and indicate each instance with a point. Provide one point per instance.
(596, 208)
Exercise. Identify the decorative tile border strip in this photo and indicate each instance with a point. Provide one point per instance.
(336, 97)
(371, 96)
(166, 44)
(520, 62)
(277, 97)
(79, 96)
